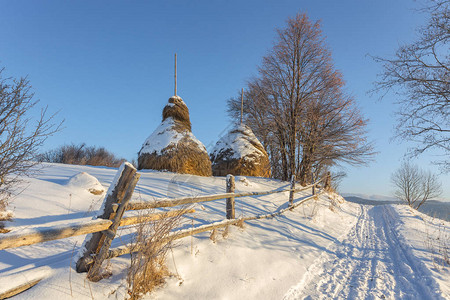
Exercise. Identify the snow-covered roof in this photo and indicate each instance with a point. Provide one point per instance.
(165, 135)
(241, 141)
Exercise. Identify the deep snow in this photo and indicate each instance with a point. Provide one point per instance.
(325, 248)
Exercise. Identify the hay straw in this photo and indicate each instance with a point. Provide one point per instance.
(185, 157)
(254, 164)
(177, 109)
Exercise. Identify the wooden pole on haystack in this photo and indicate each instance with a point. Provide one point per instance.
(242, 104)
(175, 74)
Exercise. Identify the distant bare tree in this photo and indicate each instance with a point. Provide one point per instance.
(20, 135)
(415, 186)
(298, 109)
(420, 74)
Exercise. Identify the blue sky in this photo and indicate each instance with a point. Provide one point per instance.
(107, 66)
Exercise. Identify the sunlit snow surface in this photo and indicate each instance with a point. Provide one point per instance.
(324, 249)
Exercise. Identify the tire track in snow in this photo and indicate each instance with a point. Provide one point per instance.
(372, 262)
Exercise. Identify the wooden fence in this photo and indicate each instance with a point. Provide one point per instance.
(96, 247)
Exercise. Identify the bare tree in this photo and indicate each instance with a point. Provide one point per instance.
(298, 109)
(420, 75)
(415, 186)
(20, 134)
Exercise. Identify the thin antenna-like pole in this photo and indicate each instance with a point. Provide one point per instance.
(175, 74)
(242, 103)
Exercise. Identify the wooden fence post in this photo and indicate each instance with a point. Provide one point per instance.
(327, 183)
(113, 198)
(291, 193)
(94, 273)
(230, 201)
(313, 182)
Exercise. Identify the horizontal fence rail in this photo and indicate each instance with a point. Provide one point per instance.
(192, 200)
(126, 249)
(45, 234)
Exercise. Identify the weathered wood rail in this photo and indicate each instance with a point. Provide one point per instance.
(102, 230)
(45, 234)
(125, 249)
(192, 200)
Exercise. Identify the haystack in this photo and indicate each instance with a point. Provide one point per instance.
(240, 153)
(172, 146)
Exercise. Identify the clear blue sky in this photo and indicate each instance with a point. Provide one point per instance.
(107, 66)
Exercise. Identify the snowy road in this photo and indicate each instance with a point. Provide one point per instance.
(372, 262)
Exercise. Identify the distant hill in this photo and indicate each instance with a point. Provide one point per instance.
(360, 200)
(436, 209)
(433, 208)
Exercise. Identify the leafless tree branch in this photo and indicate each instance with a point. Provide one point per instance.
(20, 135)
(419, 75)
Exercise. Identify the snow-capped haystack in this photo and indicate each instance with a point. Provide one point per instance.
(86, 181)
(172, 146)
(240, 153)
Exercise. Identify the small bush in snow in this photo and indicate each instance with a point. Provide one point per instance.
(240, 223)
(149, 251)
(4, 216)
(438, 245)
(82, 155)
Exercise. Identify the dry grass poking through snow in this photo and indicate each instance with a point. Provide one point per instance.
(5, 215)
(438, 245)
(150, 247)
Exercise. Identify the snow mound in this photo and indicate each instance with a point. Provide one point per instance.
(86, 181)
(166, 136)
(244, 181)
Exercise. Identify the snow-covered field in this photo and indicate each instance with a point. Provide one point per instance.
(325, 249)
(432, 208)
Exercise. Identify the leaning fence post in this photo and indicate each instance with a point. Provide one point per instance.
(313, 183)
(94, 273)
(115, 195)
(291, 193)
(230, 201)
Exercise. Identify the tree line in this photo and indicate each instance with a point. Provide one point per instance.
(81, 154)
